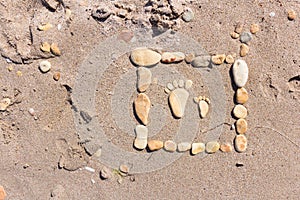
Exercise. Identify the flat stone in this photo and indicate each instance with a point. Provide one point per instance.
(45, 66)
(291, 14)
(212, 147)
(124, 168)
(245, 37)
(240, 73)
(142, 107)
(177, 100)
(45, 47)
(144, 77)
(54, 49)
(254, 28)
(244, 50)
(229, 59)
(203, 108)
(188, 15)
(170, 146)
(241, 126)
(234, 35)
(181, 83)
(141, 133)
(172, 57)
(239, 27)
(240, 111)
(218, 59)
(2, 193)
(189, 58)
(4, 103)
(105, 173)
(198, 148)
(226, 147)
(241, 95)
(155, 145)
(184, 146)
(145, 57)
(240, 143)
(45, 27)
(201, 61)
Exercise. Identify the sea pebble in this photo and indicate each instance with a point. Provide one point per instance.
(229, 59)
(141, 133)
(170, 146)
(144, 77)
(31, 111)
(203, 108)
(172, 57)
(184, 146)
(234, 35)
(292, 14)
(241, 126)
(45, 27)
(201, 61)
(240, 73)
(245, 37)
(181, 83)
(45, 47)
(55, 50)
(142, 107)
(2, 193)
(218, 59)
(188, 15)
(197, 148)
(45, 66)
(188, 84)
(124, 168)
(244, 50)
(105, 173)
(4, 103)
(226, 147)
(272, 14)
(239, 27)
(212, 147)
(155, 145)
(241, 95)
(56, 76)
(68, 14)
(145, 57)
(240, 111)
(254, 28)
(240, 143)
(189, 58)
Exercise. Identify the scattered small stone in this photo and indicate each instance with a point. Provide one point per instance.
(189, 58)
(105, 173)
(175, 83)
(145, 57)
(92, 170)
(184, 146)
(188, 84)
(4, 103)
(45, 27)
(240, 143)
(45, 47)
(226, 148)
(240, 73)
(239, 164)
(197, 148)
(201, 61)
(19, 73)
(155, 145)
(254, 28)
(240, 111)
(98, 153)
(172, 57)
(55, 50)
(188, 15)
(170, 146)
(239, 27)
(2, 193)
(218, 59)
(45, 66)
(234, 35)
(68, 14)
(142, 107)
(229, 59)
(124, 168)
(144, 77)
(31, 111)
(292, 15)
(140, 141)
(272, 14)
(245, 37)
(203, 108)
(56, 76)
(244, 50)
(181, 83)
(212, 147)
(241, 95)
(241, 126)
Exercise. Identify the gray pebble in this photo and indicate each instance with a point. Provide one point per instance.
(188, 15)
(201, 61)
(245, 37)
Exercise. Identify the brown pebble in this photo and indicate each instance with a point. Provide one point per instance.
(244, 50)
(105, 173)
(292, 15)
(226, 147)
(254, 28)
(241, 95)
(240, 143)
(229, 59)
(239, 28)
(56, 76)
(189, 58)
(241, 126)
(154, 145)
(124, 168)
(45, 47)
(234, 35)
(2, 193)
(218, 59)
(55, 50)
(45, 27)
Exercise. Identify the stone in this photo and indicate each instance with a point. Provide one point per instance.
(45, 47)
(201, 61)
(241, 95)
(172, 57)
(102, 12)
(56, 76)
(188, 84)
(229, 59)
(184, 146)
(144, 77)
(197, 148)
(245, 37)
(244, 50)
(189, 58)
(212, 147)
(254, 28)
(240, 143)
(240, 73)
(188, 15)
(203, 108)
(240, 111)
(45, 27)
(241, 126)
(145, 57)
(45, 66)
(142, 107)
(141, 133)
(234, 35)
(55, 50)
(218, 59)
(226, 147)
(291, 14)
(4, 103)
(105, 173)
(170, 146)
(181, 83)
(124, 169)
(239, 27)
(155, 145)
(2, 193)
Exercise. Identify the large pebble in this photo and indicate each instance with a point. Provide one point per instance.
(218, 59)
(4, 103)
(241, 126)
(141, 133)
(2, 193)
(201, 61)
(226, 148)
(144, 77)
(245, 37)
(240, 143)
(240, 73)
(240, 111)
(244, 50)
(184, 146)
(241, 95)
(145, 57)
(203, 108)
(45, 66)
(170, 146)
(155, 145)
(197, 148)
(188, 15)
(172, 57)
(212, 147)
(142, 107)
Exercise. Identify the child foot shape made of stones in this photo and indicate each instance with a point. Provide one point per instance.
(203, 105)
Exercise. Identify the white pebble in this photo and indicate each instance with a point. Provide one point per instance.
(89, 169)
(45, 66)
(240, 73)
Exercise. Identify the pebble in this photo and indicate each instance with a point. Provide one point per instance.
(170, 146)
(124, 169)
(172, 57)
(203, 108)
(226, 148)
(240, 111)
(31, 111)
(240, 143)
(234, 35)
(45, 66)
(218, 59)
(45, 47)
(145, 57)
(141, 133)
(229, 59)
(144, 77)
(2, 193)
(212, 147)
(89, 169)
(241, 95)
(142, 107)
(56, 76)
(272, 14)
(245, 37)
(181, 83)
(188, 84)
(184, 146)
(244, 50)
(19, 73)
(155, 145)
(239, 27)
(189, 58)
(68, 14)
(4, 103)
(201, 61)
(55, 50)
(105, 173)
(240, 73)
(45, 27)
(241, 126)
(254, 28)
(188, 15)
(292, 15)
(197, 148)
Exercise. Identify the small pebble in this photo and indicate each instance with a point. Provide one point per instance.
(245, 37)
(234, 35)
(240, 73)
(201, 61)
(218, 59)
(4, 103)
(229, 59)
(124, 168)
(292, 15)
(105, 173)
(240, 111)
(31, 111)
(142, 106)
(241, 95)
(212, 147)
(239, 27)
(240, 143)
(45, 27)
(2, 193)
(197, 148)
(19, 73)
(68, 14)
(55, 50)
(188, 84)
(170, 146)
(189, 58)
(181, 83)
(184, 146)
(145, 57)
(45, 47)
(45, 66)
(254, 28)
(89, 169)
(144, 77)
(172, 57)
(241, 126)
(56, 76)
(226, 148)
(155, 145)
(188, 15)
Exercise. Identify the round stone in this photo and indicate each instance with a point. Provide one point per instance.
(56, 76)
(244, 50)
(170, 146)
(105, 173)
(189, 58)
(254, 28)
(198, 148)
(145, 57)
(239, 27)
(240, 111)
(234, 35)
(241, 95)
(45, 66)
(226, 148)
(245, 37)
(240, 73)
(218, 59)
(184, 146)
(292, 15)
(55, 50)
(240, 143)
(4, 103)
(188, 15)
(229, 59)
(201, 61)
(241, 126)
(155, 145)
(212, 147)
(124, 169)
